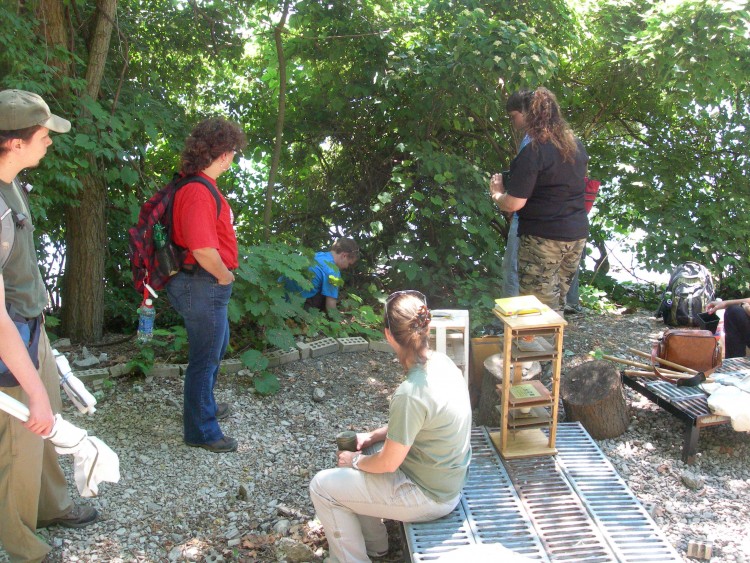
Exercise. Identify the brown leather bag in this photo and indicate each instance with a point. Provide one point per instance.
(694, 349)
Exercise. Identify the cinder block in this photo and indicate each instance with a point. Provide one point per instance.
(88, 375)
(231, 366)
(700, 549)
(353, 344)
(304, 350)
(323, 346)
(119, 370)
(381, 346)
(164, 370)
(281, 357)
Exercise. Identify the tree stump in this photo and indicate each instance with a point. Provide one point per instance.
(488, 415)
(592, 395)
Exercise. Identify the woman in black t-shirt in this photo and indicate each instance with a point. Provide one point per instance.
(546, 187)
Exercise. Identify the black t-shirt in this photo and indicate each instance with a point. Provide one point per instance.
(554, 191)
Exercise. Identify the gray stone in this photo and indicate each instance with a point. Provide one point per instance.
(164, 370)
(282, 527)
(323, 347)
(353, 344)
(318, 395)
(61, 343)
(304, 350)
(293, 551)
(381, 346)
(119, 370)
(86, 362)
(231, 366)
(280, 357)
(89, 375)
(691, 480)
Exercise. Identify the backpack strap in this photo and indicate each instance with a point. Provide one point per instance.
(180, 182)
(7, 232)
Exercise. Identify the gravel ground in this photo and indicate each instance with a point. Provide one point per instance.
(176, 503)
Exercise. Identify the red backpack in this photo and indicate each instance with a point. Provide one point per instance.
(154, 258)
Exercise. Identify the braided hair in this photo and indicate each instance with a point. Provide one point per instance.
(408, 319)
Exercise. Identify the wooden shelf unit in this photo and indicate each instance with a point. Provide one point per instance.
(528, 407)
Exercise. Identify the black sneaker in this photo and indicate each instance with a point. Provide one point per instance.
(223, 410)
(80, 516)
(224, 445)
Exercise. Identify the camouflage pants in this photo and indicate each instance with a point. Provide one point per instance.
(546, 268)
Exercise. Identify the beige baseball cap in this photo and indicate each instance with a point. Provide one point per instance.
(20, 109)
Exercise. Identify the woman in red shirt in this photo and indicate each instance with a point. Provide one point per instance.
(203, 224)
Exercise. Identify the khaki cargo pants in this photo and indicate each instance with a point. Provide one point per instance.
(546, 268)
(32, 485)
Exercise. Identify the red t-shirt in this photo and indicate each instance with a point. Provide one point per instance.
(195, 224)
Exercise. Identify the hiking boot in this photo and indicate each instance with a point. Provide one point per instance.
(224, 445)
(573, 310)
(223, 410)
(80, 516)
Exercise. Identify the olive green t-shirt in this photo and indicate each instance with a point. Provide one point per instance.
(431, 413)
(24, 288)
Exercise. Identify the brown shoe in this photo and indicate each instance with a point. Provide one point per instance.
(221, 446)
(222, 411)
(80, 516)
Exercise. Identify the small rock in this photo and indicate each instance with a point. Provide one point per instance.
(86, 362)
(691, 480)
(318, 395)
(293, 551)
(282, 527)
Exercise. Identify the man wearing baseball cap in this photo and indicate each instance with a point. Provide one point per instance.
(33, 489)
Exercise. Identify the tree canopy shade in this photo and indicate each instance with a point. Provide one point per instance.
(379, 120)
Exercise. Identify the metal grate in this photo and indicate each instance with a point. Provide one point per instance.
(489, 512)
(629, 530)
(572, 507)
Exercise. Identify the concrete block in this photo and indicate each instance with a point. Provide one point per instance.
(183, 368)
(304, 350)
(164, 370)
(89, 375)
(119, 370)
(231, 366)
(381, 346)
(281, 357)
(323, 347)
(353, 344)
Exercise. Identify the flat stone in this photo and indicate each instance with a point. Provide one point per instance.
(323, 347)
(231, 366)
(61, 343)
(353, 344)
(183, 368)
(381, 346)
(119, 370)
(280, 357)
(86, 362)
(164, 370)
(89, 375)
(304, 350)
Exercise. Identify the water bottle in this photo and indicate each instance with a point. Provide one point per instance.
(160, 236)
(146, 314)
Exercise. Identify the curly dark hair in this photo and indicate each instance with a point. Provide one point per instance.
(208, 141)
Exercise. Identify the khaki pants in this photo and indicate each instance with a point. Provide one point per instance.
(546, 267)
(32, 485)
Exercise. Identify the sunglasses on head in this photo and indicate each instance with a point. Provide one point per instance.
(418, 294)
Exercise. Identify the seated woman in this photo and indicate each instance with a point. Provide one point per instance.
(419, 473)
(736, 325)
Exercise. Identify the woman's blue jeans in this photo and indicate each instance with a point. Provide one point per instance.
(202, 302)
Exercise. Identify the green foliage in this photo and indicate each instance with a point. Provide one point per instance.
(394, 120)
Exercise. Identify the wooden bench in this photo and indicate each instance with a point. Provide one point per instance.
(688, 404)
(572, 506)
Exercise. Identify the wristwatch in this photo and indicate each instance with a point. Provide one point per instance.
(355, 462)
